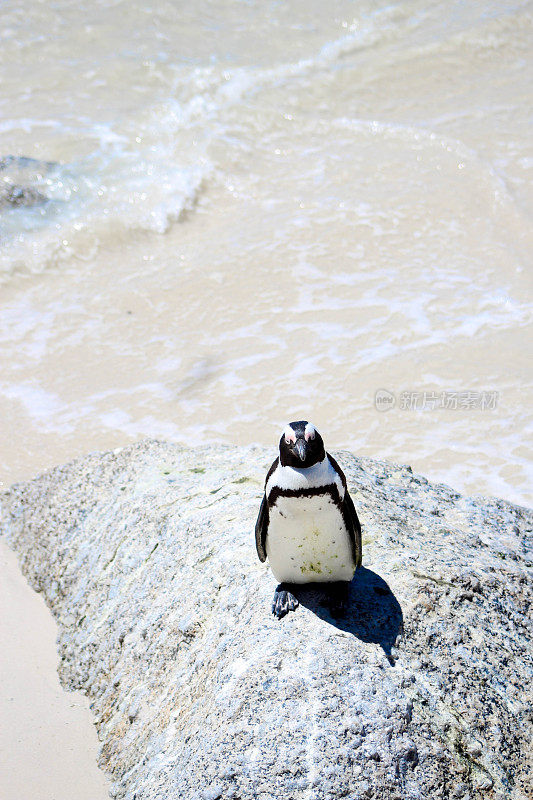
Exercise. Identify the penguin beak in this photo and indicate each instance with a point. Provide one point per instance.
(300, 449)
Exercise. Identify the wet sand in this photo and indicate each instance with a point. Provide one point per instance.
(244, 230)
(48, 745)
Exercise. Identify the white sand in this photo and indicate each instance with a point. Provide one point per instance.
(48, 745)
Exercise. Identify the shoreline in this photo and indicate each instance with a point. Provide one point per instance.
(48, 743)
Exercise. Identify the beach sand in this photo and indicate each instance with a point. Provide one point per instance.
(48, 745)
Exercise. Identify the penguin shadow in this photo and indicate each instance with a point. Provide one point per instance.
(371, 611)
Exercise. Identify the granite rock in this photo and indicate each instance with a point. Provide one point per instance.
(23, 181)
(422, 689)
(12, 196)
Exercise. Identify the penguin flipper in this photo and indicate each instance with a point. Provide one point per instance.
(350, 516)
(354, 529)
(261, 527)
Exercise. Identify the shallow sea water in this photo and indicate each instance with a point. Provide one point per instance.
(269, 211)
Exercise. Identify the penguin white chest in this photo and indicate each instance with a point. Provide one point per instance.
(308, 541)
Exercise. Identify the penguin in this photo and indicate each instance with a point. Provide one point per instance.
(307, 525)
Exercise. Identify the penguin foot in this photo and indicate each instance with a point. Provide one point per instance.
(283, 602)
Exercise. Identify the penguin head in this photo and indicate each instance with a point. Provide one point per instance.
(300, 445)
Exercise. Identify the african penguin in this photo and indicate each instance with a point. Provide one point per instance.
(307, 525)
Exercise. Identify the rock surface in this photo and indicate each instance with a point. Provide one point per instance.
(422, 690)
(13, 196)
(21, 181)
